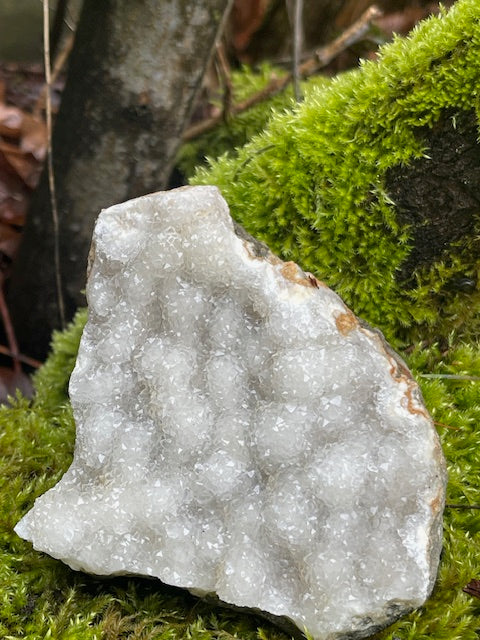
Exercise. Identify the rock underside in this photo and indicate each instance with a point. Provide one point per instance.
(240, 432)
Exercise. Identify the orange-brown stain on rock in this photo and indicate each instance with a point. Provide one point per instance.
(410, 401)
(400, 373)
(398, 370)
(346, 322)
(436, 503)
(291, 271)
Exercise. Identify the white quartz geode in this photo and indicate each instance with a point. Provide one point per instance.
(240, 432)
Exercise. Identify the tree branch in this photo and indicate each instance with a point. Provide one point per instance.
(51, 179)
(322, 58)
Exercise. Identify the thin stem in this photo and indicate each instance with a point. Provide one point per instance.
(31, 362)
(51, 180)
(447, 426)
(462, 506)
(9, 331)
(297, 46)
(449, 376)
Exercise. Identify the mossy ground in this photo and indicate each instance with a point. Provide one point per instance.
(296, 184)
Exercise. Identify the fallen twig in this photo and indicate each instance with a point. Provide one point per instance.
(9, 331)
(275, 85)
(446, 426)
(462, 506)
(354, 33)
(322, 57)
(31, 362)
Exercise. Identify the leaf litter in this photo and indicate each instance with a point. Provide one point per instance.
(23, 147)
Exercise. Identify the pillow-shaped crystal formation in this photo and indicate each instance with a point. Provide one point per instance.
(240, 432)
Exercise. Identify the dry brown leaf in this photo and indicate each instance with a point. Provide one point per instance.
(10, 121)
(33, 137)
(24, 165)
(13, 210)
(23, 144)
(473, 588)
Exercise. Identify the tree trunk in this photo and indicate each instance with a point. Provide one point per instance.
(133, 76)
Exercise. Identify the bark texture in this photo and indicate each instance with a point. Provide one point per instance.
(133, 76)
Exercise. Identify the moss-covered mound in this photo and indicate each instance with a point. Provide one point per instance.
(313, 185)
(42, 598)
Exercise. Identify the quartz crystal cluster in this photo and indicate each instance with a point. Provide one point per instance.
(240, 432)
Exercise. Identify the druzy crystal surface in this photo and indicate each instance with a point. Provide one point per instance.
(240, 432)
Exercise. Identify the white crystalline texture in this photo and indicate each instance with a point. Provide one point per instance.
(240, 432)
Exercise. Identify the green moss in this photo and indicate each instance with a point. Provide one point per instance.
(42, 598)
(51, 381)
(313, 184)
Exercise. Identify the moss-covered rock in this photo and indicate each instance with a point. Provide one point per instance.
(315, 184)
